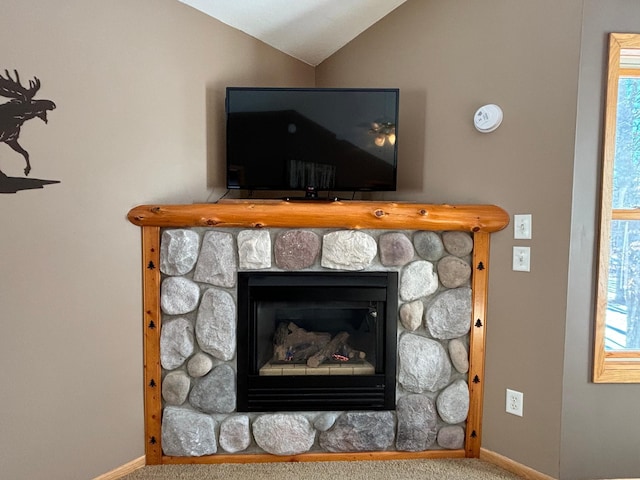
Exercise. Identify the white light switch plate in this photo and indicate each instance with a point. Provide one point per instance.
(521, 259)
(522, 226)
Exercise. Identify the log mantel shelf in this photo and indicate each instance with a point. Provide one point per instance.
(479, 220)
(315, 214)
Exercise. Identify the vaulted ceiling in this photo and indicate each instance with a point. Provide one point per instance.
(309, 30)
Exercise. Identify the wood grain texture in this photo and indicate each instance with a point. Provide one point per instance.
(151, 325)
(611, 367)
(481, 220)
(351, 215)
(313, 457)
(479, 288)
(121, 471)
(527, 473)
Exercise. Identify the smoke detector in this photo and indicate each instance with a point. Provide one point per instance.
(487, 118)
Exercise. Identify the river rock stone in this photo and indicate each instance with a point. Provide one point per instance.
(325, 421)
(235, 435)
(216, 391)
(417, 423)
(424, 364)
(178, 251)
(411, 315)
(176, 343)
(175, 387)
(459, 355)
(453, 272)
(216, 324)
(254, 249)
(296, 249)
(179, 295)
(283, 434)
(451, 437)
(217, 264)
(456, 243)
(418, 279)
(186, 433)
(428, 245)
(395, 249)
(453, 402)
(348, 250)
(199, 365)
(360, 431)
(449, 315)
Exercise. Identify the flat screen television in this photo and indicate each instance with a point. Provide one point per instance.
(312, 139)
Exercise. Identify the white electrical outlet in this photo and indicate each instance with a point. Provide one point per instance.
(522, 259)
(522, 226)
(514, 402)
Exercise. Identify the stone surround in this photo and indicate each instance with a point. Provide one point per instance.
(197, 347)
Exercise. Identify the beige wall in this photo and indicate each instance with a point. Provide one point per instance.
(139, 89)
(449, 58)
(600, 422)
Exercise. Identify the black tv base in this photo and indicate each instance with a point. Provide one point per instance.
(312, 199)
(311, 194)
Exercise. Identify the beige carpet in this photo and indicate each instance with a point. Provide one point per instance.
(453, 469)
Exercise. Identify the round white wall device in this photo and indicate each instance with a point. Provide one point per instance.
(488, 118)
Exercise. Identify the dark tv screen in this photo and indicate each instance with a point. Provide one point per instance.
(312, 139)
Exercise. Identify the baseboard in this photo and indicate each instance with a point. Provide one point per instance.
(487, 455)
(123, 470)
(512, 466)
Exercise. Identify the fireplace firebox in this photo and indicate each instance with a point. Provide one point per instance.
(316, 341)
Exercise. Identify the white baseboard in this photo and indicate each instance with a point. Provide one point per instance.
(512, 466)
(123, 470)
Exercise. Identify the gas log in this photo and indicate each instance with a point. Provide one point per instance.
(294, 344)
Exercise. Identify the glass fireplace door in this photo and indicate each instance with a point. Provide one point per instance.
(316, 340)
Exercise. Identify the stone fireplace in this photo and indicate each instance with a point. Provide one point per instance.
(289, 339)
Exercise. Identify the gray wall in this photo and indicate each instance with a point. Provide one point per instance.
(600, 422)
(449, 58)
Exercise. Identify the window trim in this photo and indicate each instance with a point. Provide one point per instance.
(612, 366)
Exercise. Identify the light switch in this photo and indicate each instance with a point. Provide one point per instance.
(522, 226)
(521, 259)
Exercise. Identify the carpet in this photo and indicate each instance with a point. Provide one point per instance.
(428, 469)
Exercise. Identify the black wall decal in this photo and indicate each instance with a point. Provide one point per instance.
(13, 114)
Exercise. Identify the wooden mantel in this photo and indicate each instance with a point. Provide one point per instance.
(319, 214)
(479, 220)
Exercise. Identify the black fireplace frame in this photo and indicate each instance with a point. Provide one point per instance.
(257, 393)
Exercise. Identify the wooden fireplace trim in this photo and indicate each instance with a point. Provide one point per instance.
(480, 220)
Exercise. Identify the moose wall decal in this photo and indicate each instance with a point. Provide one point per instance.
(19, 109)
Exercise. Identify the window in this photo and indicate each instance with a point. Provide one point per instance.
(617, 326)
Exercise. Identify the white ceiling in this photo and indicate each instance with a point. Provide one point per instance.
(309, 30)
